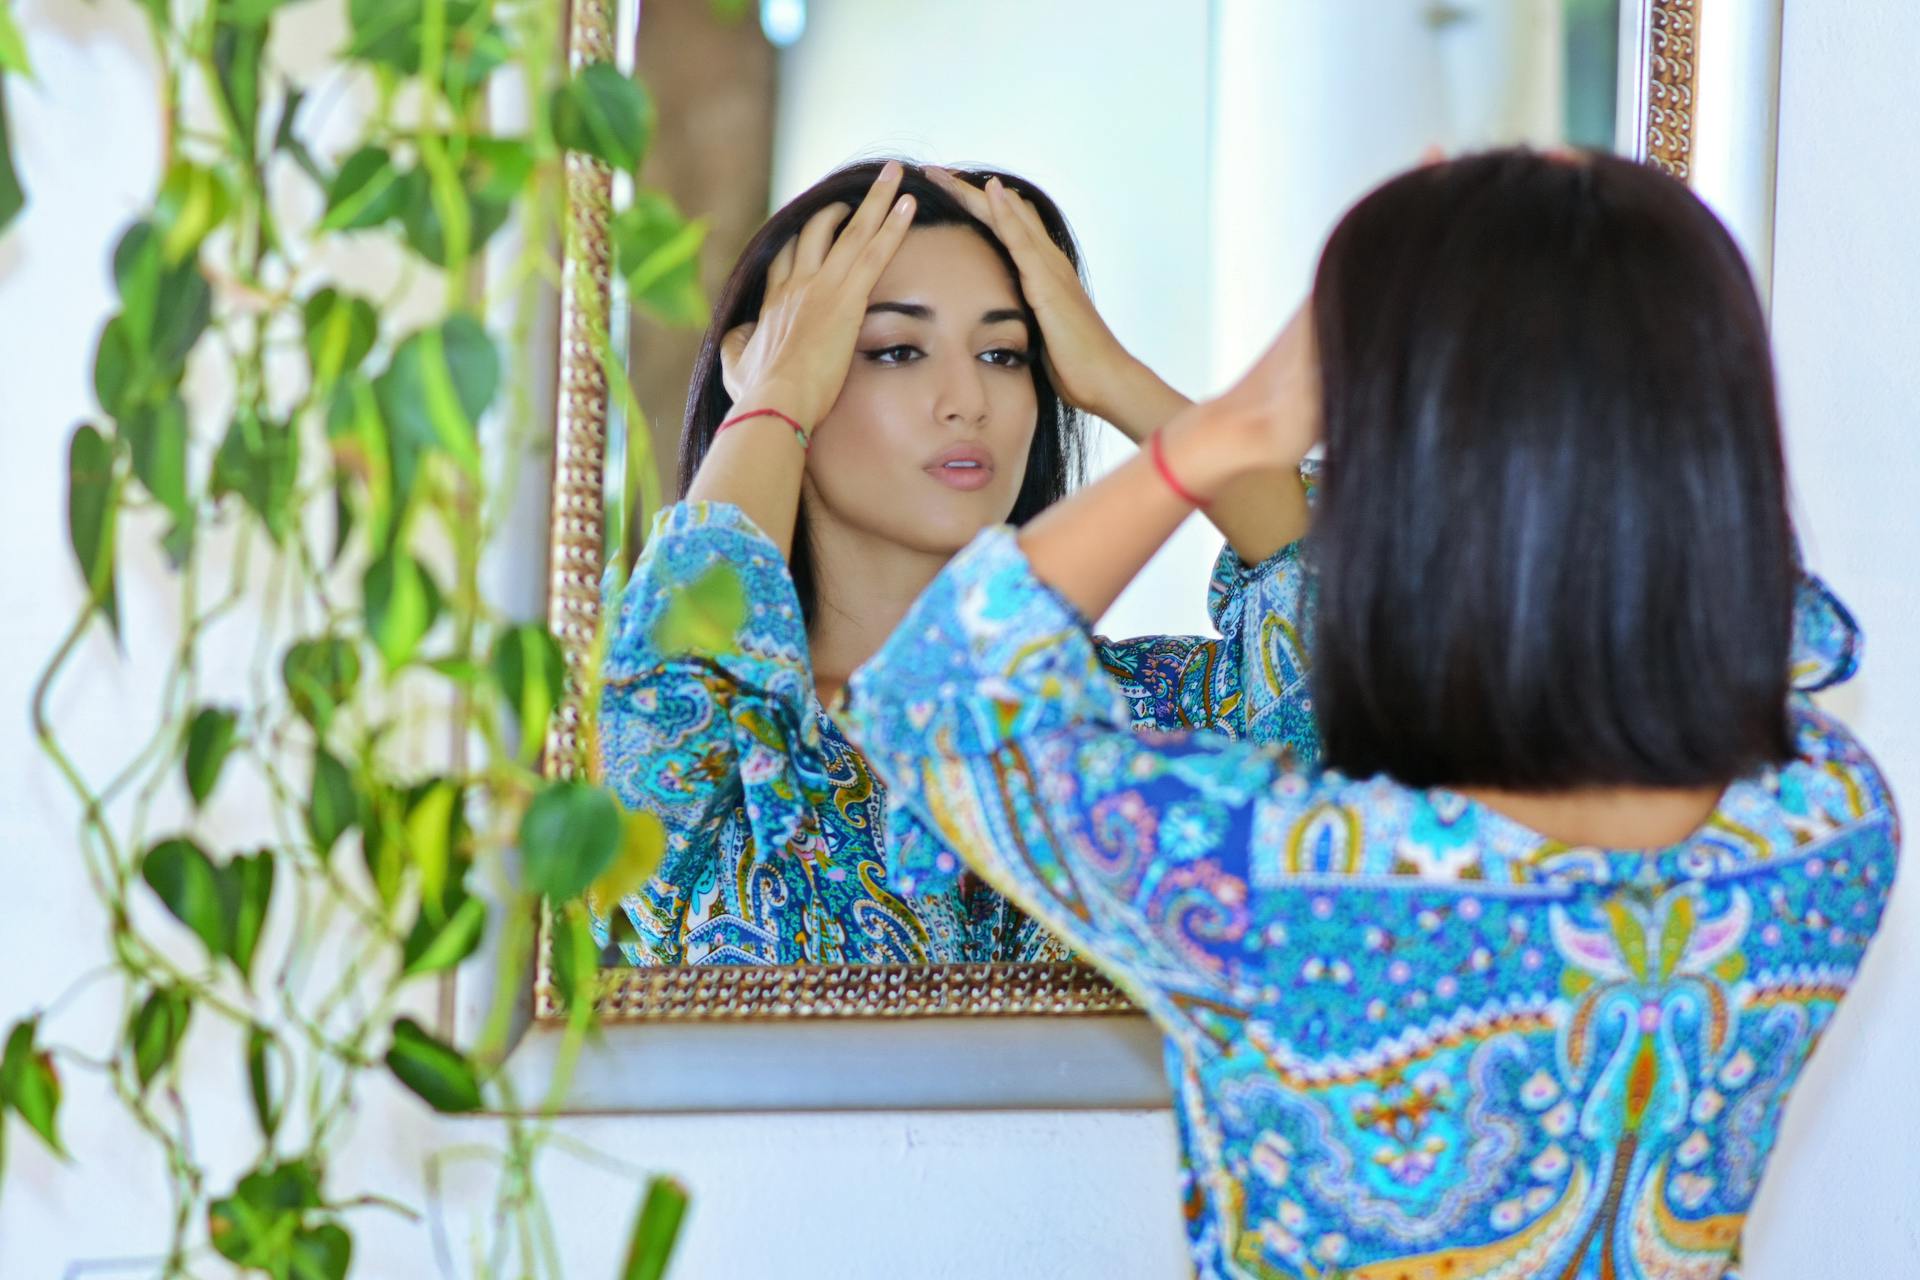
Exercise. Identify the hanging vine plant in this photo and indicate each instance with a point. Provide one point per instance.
(331, 498)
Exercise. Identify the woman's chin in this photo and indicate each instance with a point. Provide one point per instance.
(947, 527)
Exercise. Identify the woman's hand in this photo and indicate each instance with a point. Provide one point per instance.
(796, 356)
(1271, 417)
(1085, 362)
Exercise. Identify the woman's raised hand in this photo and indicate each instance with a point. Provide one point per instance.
(795, 357)
(1264, 423)
(1085, 362)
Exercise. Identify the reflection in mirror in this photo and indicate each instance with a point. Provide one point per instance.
(1198, 154)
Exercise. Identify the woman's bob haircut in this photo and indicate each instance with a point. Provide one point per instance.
(1551, 545)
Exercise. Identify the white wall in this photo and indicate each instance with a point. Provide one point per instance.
(1843, 1198)
(935, 1195)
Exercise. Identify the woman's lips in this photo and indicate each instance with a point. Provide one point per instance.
(966, 467)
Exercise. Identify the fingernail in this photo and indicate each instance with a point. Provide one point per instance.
(889, 171)
(903, 205)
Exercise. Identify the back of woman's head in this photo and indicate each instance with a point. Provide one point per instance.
(1552, 541)
(1056, 459)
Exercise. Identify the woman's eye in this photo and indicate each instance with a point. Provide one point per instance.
(893, 355)
(1007, 358)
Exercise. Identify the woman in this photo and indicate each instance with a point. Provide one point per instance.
(869, 397)
(1516, 979)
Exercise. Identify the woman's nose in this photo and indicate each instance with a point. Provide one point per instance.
(960, 399)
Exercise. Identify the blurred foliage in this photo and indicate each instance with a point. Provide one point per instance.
(342, 495)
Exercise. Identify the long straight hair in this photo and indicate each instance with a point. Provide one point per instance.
(1057, 459)
(1552, 540)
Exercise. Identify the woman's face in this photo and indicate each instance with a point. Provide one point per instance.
(928, 442)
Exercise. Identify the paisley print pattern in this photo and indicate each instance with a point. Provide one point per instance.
(778, 833)
(1408, 1037)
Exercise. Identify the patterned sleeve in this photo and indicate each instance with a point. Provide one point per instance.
(1826, 640)
(1251, 682)
(704, 705)
(988, 715)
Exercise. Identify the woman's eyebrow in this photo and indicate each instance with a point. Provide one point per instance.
(919, 311)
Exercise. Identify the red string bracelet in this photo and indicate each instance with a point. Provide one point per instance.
(1159, 453)
(799, 431)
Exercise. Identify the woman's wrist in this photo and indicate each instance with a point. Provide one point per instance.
(1206, 449)
(784, 397)
(1135, 399)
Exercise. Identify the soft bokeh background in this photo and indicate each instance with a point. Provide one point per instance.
(962, 1195)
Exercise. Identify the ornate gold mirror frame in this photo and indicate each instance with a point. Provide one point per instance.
(1657, 111)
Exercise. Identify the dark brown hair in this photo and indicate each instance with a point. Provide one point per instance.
(1552, 544)
(1056, 460)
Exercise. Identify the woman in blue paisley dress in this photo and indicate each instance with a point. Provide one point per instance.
(1515, 978)
(869, 397)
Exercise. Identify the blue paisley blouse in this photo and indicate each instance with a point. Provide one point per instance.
(1408, 1037)
(777, 832)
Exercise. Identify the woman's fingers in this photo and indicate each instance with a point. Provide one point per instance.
(868, 219)
(1030, 217)
(816, 238)
(971, 198)
(732, 348)
(879, 251)
(1014, 230)
(780, 270)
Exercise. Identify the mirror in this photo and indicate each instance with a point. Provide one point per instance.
(1200, 153)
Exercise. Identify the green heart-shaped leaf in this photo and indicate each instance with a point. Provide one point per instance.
(320, 1253)
(333, 802)
(185, 879)
(237, 50)
(440, 1074)
(401, 604)
(264, 1079)
(604, 113)
(224, 906)
(705, 616)
(440, 382)
(320, 676)
(156, 1030)
(659, 256)
(434, 946)
(157, 436)
(643, 843)
(163, 311)
(340, 330)
(365, 192)
(567, 838)
(435, 826)
(93, 507)
(29, 1084)
(256, 1224)
(528, 667)
(259, 460)
(209, 742)
(357, 435)
(246, 888)
(192, 202)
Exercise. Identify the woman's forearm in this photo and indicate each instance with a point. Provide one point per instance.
(1258, 513)
(1090, 545)
(756, 465)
